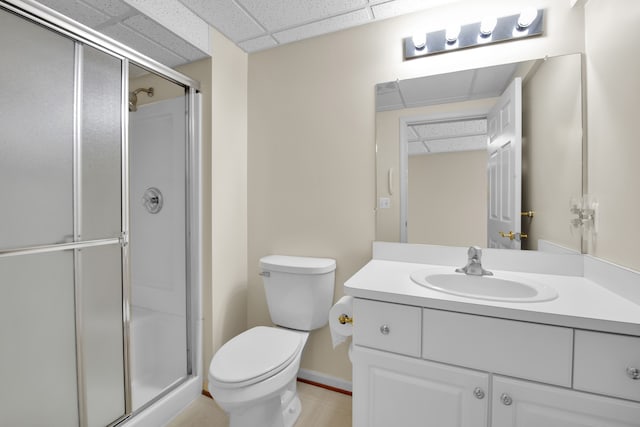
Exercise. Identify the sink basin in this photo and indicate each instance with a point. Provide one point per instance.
(501, 286)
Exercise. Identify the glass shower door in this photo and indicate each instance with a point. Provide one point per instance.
(61, 298)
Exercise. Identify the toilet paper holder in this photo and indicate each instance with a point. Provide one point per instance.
(344, 319)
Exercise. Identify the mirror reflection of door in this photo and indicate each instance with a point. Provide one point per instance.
(504, 169)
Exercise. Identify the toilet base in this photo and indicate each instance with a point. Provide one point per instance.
(277, 411)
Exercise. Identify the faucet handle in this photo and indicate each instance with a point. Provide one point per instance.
(474, 252)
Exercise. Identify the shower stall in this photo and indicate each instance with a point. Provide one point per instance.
(99, 230)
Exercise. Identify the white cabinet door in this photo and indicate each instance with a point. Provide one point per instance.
(393, 390)
(523, 404)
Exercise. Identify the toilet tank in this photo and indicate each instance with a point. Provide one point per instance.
(299, 290)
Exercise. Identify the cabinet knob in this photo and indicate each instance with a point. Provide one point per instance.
(384, 329)
(633, 373)
(506, 399)
(478, 393)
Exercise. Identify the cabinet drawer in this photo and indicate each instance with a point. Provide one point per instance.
(386, 326)
(520, 349)
(601, 363)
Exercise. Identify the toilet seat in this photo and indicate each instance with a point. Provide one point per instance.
(254, 355)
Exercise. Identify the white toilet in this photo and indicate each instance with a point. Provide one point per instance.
(253, 376)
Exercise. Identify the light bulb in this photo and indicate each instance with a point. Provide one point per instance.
(526, 18)
(419, 40)
(453, 31)
(487, 25)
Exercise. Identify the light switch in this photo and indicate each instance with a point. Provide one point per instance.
(384, 203)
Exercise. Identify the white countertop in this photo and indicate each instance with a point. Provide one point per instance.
(581, 303)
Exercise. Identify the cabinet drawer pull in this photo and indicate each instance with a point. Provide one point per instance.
(633, 373)
(478, 393)
(384, 329)
(506, 399)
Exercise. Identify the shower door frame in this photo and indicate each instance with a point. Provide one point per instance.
(81, 35)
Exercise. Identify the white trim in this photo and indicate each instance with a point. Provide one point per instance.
(324, 379)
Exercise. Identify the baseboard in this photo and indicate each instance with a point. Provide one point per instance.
(325, 381)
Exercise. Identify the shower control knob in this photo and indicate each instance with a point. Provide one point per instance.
(384, 329)
(506, 399)
(478, 393)
(633, 373)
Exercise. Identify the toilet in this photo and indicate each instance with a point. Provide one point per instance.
(253, 376)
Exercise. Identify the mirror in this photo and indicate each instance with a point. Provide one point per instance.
(435, 182)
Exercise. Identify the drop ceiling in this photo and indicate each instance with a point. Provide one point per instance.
(253, 25)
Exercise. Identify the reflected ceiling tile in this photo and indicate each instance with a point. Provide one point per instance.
(78, 11)
(134, 40)
(325, 26)
(164, 37)
(416, 148)
(393, 8)
(258, 44)
(492, 81)
(278, 14)
(436, 89)
(226, 17)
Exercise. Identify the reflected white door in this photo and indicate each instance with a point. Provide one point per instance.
(505, 169)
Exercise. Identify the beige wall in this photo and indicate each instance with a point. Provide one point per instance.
(552, 150)
(311, 163)
(613, 86)
(229, 196)
(448, 199)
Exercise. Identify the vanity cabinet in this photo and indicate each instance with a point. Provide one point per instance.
(394, 390)
(460, 370)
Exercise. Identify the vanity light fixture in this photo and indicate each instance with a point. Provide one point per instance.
(526, 24)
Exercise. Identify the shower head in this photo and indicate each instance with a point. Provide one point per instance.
(133, 97)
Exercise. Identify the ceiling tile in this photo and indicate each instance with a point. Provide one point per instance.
(325, 26)
(227, 18)
(112, 8)
(136, 41)
(164, 37)
(260, 43)
(278, 14)
(401, 7)
(178, 19)
(78, 11)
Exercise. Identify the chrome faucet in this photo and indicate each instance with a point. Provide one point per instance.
(474, 263)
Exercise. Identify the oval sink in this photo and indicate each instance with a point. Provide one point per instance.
(500, 287)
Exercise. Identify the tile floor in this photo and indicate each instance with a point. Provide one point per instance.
(320, 408)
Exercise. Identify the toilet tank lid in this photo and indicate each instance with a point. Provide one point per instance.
(297, 264)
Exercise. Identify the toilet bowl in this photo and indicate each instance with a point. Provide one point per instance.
(253, 376)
